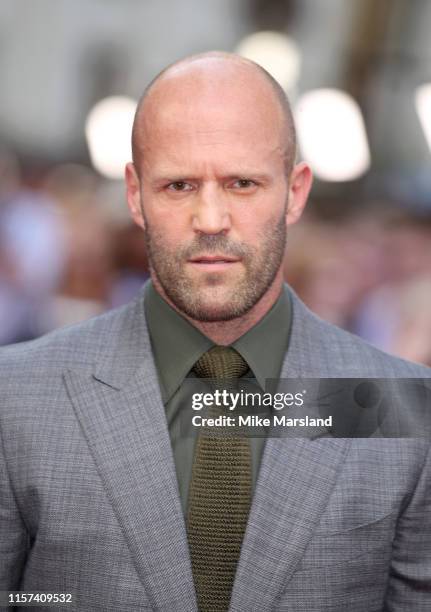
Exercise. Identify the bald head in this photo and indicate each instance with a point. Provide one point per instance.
(209, 82)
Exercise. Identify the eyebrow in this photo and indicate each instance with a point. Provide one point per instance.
(248, 174)
(259, 176)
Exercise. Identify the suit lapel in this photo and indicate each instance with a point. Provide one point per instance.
(123, 420)
(295, 481)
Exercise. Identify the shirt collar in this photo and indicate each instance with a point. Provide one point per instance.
(177, 344)
(264, 345)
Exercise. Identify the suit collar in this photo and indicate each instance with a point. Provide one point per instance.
(126, 344)
(314, 346)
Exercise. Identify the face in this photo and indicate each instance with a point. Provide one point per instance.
(213, 200)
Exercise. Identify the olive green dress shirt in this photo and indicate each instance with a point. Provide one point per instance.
(177, 345)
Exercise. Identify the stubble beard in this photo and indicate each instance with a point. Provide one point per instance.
(212, 298)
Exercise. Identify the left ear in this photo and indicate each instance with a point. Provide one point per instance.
(133, 195)
(300, 182)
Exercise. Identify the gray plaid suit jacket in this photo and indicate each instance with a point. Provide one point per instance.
(89, 502)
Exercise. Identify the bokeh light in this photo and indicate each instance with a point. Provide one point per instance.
(275, 52)
(108, 131)
(423, 108)
(332, 135)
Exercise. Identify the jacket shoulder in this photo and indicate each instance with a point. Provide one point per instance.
(340, 353)
(79, 344)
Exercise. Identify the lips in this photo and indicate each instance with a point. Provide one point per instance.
(213, 259)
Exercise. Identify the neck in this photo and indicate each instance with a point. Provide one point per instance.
(225, 332)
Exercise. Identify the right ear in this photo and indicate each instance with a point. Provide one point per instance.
(134, 195)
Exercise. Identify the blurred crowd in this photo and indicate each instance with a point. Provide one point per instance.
(67, 248)
(369, 273)
(68, 251)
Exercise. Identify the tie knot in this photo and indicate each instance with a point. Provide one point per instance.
(220, 362)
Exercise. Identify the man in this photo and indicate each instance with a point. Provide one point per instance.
(102, 498)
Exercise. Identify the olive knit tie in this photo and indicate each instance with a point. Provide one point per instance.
(220, 495)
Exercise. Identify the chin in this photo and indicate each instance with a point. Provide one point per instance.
(213, 315)
(225, 308)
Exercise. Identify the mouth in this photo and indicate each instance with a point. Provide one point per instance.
(209, 259)
(213, 262)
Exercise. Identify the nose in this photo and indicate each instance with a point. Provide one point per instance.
(211, 214)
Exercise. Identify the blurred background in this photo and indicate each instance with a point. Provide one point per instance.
(358, 73)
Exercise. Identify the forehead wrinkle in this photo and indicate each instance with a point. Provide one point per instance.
(173, 166)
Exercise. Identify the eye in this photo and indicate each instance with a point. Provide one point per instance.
(244, 184)
(179, 186)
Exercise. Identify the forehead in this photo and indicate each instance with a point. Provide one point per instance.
(232, 114)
